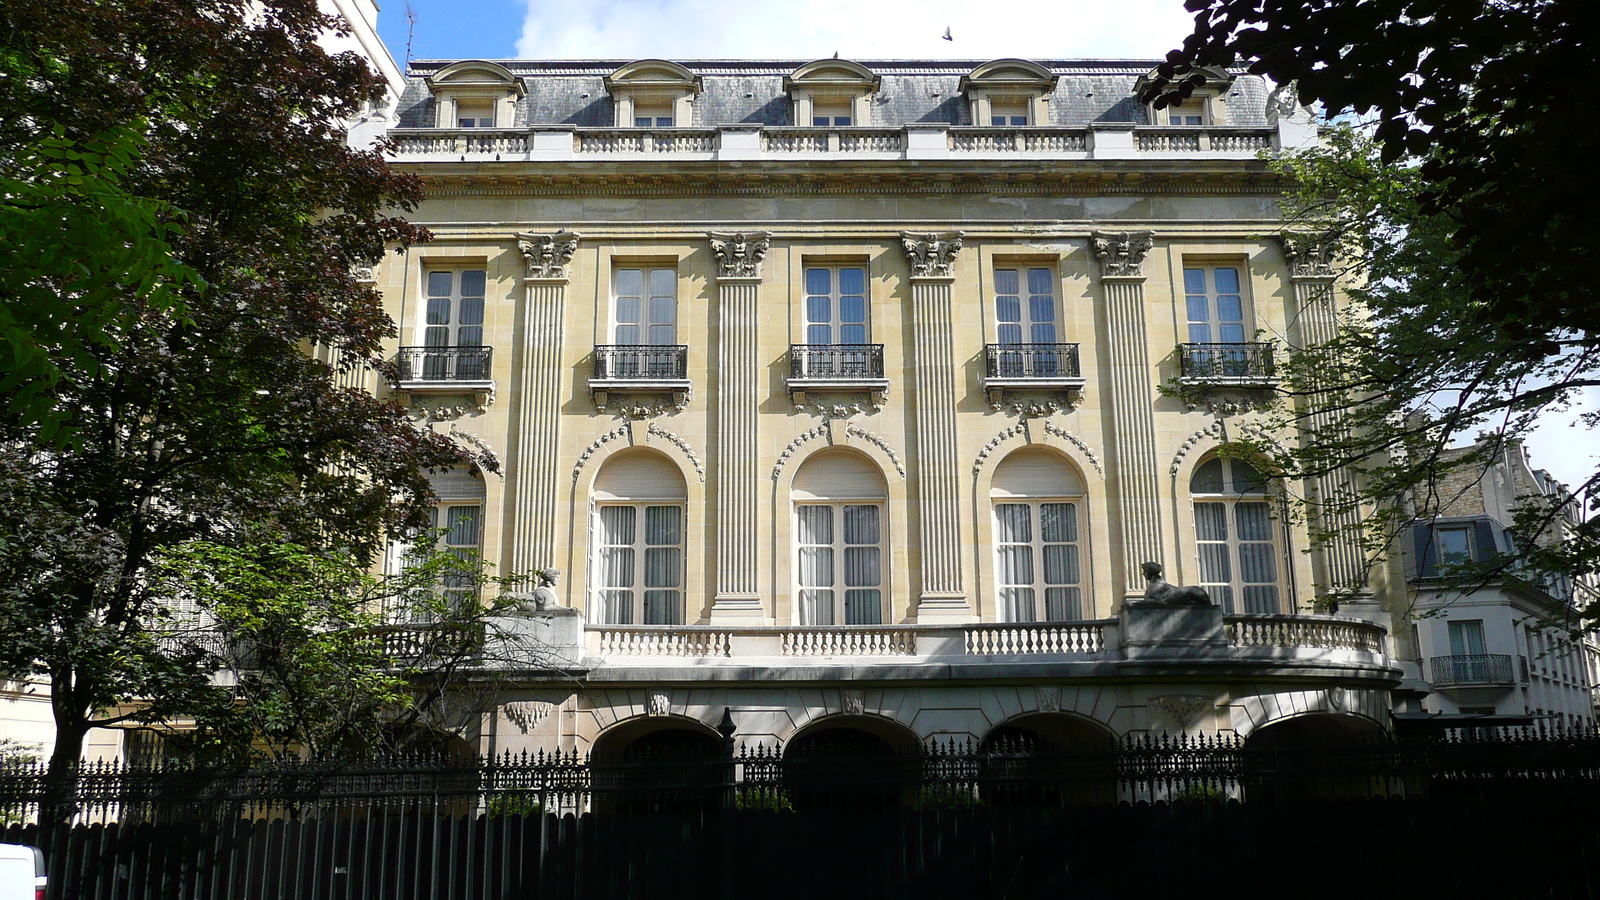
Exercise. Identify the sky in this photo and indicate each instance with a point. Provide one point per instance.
(860, 29)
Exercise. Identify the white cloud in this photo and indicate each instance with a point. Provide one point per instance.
(887, 29)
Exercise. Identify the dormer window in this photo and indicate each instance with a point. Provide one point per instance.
(652, 93)
(475, 94)
(1008, 93)
(1205, 106)
(831, 93)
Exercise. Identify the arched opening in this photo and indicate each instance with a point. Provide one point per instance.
(851, 763)
(636, 569)
(841, 530)
(1049, 759)
(1312, 757)
(659, 765)
(1039, 533)
(1237, 538)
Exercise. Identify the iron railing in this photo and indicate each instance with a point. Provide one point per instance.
(836, 361)
(1477, 668)
(1241, 362)
(1031, 360)
(641, 362)
(444, 364)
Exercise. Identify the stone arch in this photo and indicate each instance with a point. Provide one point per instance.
(1009, 70)
(581, 511)
(832, 71)
(475, 72)
(615, 738)
(653, 72)
(1096, 600)
(851, 761)
(1199, 449)
(1048, 757)
(1298, 770)
(1257, 711)
(1056, 728)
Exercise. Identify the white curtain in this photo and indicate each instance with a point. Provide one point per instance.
(663, 565)
(617, 526)
(1211, 536)
(862, 571)
(1258, 568)
(816, 564)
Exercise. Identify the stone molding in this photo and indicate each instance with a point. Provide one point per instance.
(1310, 256)
(1121, 253)
(931, 253)
(547, 255)
(739, 254)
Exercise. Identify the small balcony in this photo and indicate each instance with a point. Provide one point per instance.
(836, 367)
(640, 369)
(1481, 669)
(445, 368)
(1245, 365)
(1036, 367)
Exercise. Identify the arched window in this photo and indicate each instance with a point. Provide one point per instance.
(840, 525)
(1038, 530)
(637, 563)
(1235, 536)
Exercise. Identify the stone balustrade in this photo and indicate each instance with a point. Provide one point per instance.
(1037, 638)
(1307, 632)
(560, 142)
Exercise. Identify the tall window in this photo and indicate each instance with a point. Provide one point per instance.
(1235, 536)
(1008, 112)
(463, 536)
(1025, 317)
(825, 113)
(1215, 305)
(1466, 638)
(1038, 534)
(637, 571)
(840, 547)
(646, 306)
(836, 305)
(454, 315)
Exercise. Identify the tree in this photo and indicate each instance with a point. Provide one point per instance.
(1456, 218)
(204, 418)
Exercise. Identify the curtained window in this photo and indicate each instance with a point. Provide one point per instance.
(1236, 537)
(1038, 533)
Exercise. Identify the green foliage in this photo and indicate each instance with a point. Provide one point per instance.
(515, 803)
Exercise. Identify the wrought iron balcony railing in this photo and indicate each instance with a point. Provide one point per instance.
(1031, 361)
(837, 362)
(1481, 668)
(1226, 362)
(444, 364)
(641, 362)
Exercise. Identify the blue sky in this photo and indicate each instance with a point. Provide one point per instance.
(702, 29)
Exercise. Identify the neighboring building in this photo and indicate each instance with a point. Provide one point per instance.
(833, 388)
(1507, 647)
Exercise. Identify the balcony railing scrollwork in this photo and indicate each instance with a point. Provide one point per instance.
(1050, 367)
(640, 369)
(1474, 669)
(837, 367)
(1247, 363)
(443, 366)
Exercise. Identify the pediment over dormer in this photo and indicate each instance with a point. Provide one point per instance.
(832, 73)
(475, 93)
(1019, 74)
(653, 73)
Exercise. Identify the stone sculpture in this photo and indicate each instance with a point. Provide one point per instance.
(543, 597)
(1158, 590)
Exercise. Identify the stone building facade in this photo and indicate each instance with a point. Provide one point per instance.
(834, 389)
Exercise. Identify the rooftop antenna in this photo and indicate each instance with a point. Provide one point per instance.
(411, 30)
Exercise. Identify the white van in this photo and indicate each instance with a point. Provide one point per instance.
(21, 872)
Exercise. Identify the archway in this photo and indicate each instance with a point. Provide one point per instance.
(1319, 756)
(851, 763)
(659, 764)
(1048, 758)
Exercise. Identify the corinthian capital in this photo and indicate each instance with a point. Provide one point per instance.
(1121, 253)
(739, 255)
(1310, 255)
(547, 254)
(931, 254)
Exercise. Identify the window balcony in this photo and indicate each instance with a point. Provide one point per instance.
(1471, 671)
(640, 369)
(1244, 365)
(836, 367)
(445, 368)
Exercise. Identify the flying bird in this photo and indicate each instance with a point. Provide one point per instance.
(947, 33)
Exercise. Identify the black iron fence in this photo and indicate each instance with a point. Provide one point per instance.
(641, 362)
(1245, 362)
(1478, 668)
(836, 361)
(1031, 360)
(444, 364)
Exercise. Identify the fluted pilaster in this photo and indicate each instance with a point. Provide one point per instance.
(536, 418)
(739, 259)
(1133, 394)
(937, 483)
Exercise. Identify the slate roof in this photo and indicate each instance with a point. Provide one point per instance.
(572, 92)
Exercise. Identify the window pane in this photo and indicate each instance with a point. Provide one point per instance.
(816, 524)
(1230, 334)
(462, 522)
(663, 525)
(1214, 567)
(470, 311)
(617, 607)
(663, 310)
(628, 309)
(863, 607)
(1194, 281)
(1058, 522)
(852, 281)
(1042, 308)
(1013, 522)
(1230, 308)
(861, 524)
(852, 309)
(1007, 309)
(662, 567)
(617, 524)
(630, 282)
(816, 566)
(1045, 333)
(1261, 599)
(439, 283)
(469, 336)
(1016, 604)
(627, 334)
(1015, 565)
(1061, 564)
(819, 281)
(1453, 545)
(1009, 334)
(852, 334)
(1256, 565)
(819, 334)
(1041, 282)
(1207, 479)
(437, 336)
(616, 567)
(1199, 334)
(1466, 638)
(819, 309)
(472, 283)
(1211, 521)
(663, 608)
(1246, 480)
(438, 310)
(1198, 309)
(1063, 604)
(663, 283)
(861, 567)
(1254, 521)
(816, 607)
(1227, 280)
(1005, 281)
